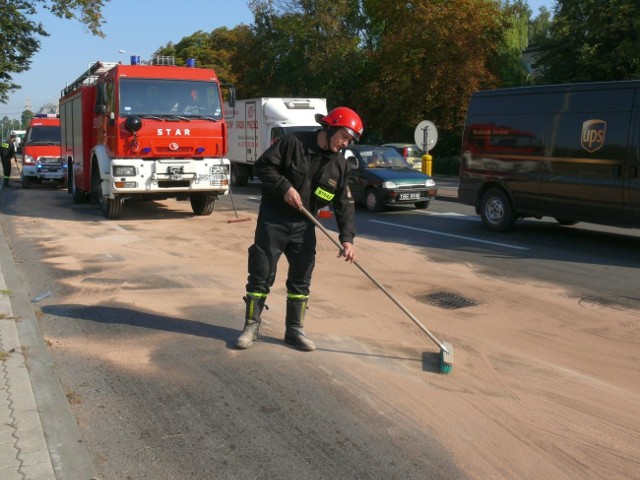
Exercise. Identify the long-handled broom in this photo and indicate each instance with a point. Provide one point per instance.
(233, 204)
(446, 349)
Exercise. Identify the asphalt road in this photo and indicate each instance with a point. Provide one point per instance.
(595, 262)
(157, 395)
(163, 394)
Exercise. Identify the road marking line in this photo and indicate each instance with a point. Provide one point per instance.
(460, 216)
(461, 237)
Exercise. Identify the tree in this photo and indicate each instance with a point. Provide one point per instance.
(25, 118)
(304, 47)
(507, 63)
(224, 50)
(592, 40)
(540, 27)
(421, 67)
(19, 34)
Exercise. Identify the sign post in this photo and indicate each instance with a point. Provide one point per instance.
(426, 137)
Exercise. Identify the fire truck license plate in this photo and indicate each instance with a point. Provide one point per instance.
(213, 177)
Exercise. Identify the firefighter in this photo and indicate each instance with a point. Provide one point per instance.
(301, 169)
(8, 154)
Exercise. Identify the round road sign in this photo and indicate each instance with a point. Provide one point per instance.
(426, 135)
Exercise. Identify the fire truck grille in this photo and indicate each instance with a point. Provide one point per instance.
(173, 183)
(50, 159)
(186, 150)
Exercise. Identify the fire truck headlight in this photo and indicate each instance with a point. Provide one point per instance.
(124, 171)
(224, 169)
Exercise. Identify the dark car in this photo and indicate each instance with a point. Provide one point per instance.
(382, 176)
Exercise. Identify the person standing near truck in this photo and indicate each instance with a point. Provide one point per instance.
(301, 169)
(8, 154)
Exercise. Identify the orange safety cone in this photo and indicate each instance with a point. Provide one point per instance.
(325, 212)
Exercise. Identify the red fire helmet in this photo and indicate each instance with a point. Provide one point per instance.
(343, 117)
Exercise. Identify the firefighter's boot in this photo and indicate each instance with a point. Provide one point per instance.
(294, 335)
(254, 305)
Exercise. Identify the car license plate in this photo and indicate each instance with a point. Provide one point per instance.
(409, 196)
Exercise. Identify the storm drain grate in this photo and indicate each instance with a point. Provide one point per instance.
(448, 300)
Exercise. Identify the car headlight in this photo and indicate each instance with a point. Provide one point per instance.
(431, 182)
(28, 159)
(389, 185)
(124, 171)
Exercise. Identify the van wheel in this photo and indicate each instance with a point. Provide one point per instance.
(26, 181)
(202, 203)
(564, 221)
(372, 201)
(496, 210)
(422, 205)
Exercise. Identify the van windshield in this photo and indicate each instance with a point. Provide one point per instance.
(171, 98)
(44, 135)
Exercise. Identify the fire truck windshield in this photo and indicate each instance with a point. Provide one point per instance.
(143, 96)
(44, 135)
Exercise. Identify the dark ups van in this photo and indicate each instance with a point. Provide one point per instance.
(570, 152)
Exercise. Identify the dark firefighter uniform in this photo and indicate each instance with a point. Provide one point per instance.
(8, 153)
(321, 178)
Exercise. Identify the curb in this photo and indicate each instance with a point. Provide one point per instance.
(52, 422)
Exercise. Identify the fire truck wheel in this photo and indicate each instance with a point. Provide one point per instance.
(202, 203)
(111, 207)
(78, 195)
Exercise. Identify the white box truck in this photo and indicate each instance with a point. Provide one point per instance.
(254, 124)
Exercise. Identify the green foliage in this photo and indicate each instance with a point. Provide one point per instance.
(25, 118)
(507, 63)
(540, 27)
(6, 125)
(19, 34)
(592, 40)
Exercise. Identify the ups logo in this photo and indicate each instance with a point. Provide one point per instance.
(593, 133)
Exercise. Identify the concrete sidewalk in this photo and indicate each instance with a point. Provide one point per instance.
(39, 437)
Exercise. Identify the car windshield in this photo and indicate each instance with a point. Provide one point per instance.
(143, 96)
(44, 135)
(383, 158)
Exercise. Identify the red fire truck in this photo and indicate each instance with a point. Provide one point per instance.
(41, 160)
(145, 131)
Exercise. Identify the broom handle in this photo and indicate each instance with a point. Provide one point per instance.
(376, 282)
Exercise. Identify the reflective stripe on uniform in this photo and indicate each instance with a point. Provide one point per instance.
(295, 296)
(323, 194)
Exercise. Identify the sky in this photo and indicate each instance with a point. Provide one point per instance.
(139, 27)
